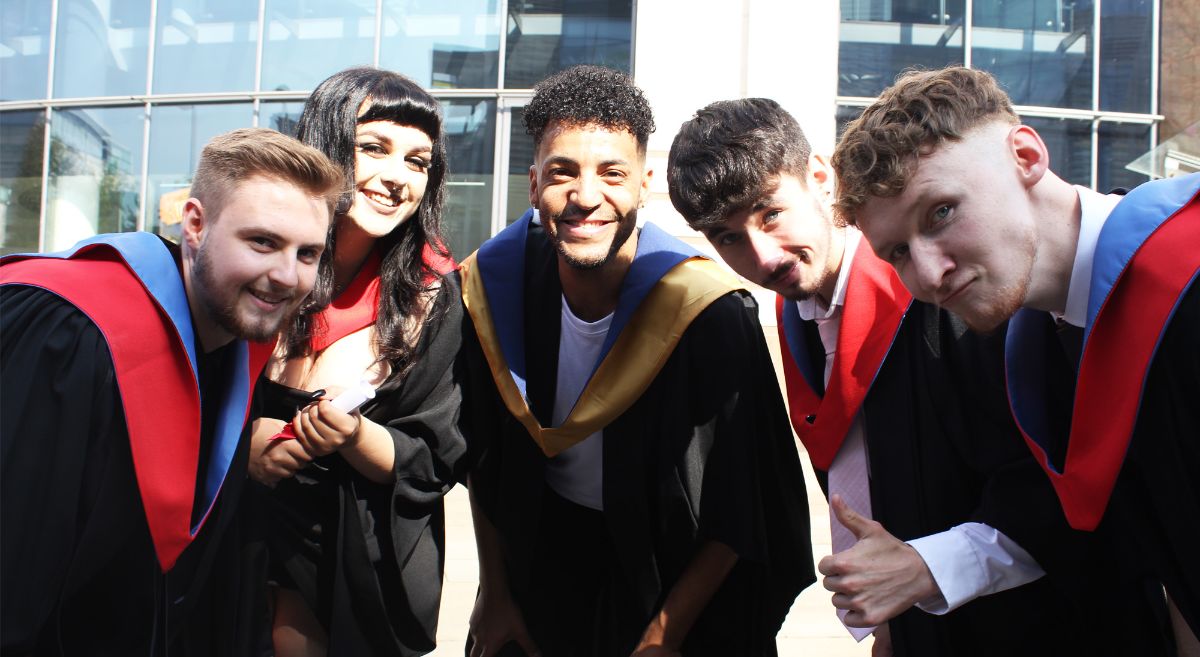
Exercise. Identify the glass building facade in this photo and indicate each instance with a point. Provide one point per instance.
(1083, 73)
(106, 104)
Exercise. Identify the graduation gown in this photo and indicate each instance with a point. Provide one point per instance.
(1127, 467)
(368, 558)
(943, 451)
(81, 574)
(705, 453)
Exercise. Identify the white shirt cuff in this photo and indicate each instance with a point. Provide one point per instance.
(970, 560)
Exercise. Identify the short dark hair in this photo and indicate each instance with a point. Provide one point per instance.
(590, 95)
(725, 158)
(878, 151)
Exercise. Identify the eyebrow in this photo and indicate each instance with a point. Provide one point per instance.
(270, 234)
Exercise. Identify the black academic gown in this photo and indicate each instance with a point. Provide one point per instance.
(79, 571)
(705, 454)
(943, 451)
(368, 558)
(1153, 516)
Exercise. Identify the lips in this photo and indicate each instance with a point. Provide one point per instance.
(954, 295)
(387, 201)
(784, 274)
(268, 299)
(583, 227)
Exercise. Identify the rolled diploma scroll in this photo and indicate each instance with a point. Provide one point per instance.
(347, 402)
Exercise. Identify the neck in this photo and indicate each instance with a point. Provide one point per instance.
(837, 259)
(353, 246)
(592, 294)
(208, 332)
(1057, 212)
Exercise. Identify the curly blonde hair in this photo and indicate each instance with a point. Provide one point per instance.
(922, 110)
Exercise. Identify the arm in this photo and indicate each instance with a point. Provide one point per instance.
(495, 619)
(691, 593)
(972, 560)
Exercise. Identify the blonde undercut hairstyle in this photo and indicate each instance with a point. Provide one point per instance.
(234, 157)
(921, 111)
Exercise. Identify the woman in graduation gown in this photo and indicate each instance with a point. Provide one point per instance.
(352, 507)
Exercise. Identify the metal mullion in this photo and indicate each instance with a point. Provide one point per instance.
(151, 49)
(378, 32)
(1095, 153)
(968, 31)
(633, 40)
(1155, 44)
(43, 200)
(500, 164)
(258, 49)
(502, 45)
(145, 190)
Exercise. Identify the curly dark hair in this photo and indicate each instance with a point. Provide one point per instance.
(329, 123)
(922, 110)
(725, 158)
(589, 95)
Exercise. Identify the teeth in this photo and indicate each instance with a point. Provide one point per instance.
(382, 199)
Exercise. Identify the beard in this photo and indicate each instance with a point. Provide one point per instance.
(581, 259)
(221, 303)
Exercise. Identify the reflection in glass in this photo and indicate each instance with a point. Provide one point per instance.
(21, 142)
(520, 157)
(101, 48)
(205, 45)
(1039, 50)
(442, 44)
(844, 116)
(95, 172)
(1125, 36)
(1070, 144)
(881, 38)
(471, 148)
(550, 35)
(177, 135)
(309, 40)
(1120, 144)
(280, 116)
(24, 49)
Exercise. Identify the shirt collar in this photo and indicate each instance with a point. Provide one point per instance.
(811, 308)
(1094, 210)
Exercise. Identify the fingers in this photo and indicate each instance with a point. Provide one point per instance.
(526, 642)
(850, 519)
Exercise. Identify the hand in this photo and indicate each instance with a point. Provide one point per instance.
(322, 429)
(273, 460)
(654, 640)
(877, 579)
(881, 646)
(495, 621)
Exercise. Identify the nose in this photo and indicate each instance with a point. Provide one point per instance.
(764, 252)
(930, 266)
(285, 274)
(586, 194)
(395, 174)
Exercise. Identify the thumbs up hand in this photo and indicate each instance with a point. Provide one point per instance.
(877, 579)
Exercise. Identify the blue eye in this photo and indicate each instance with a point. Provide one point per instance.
(942, 213)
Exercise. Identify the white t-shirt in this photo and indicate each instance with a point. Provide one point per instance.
(577, 473)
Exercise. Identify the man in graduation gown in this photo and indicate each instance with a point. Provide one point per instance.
(638, 489)
(902, 411)
(1103, 348)
(127, 378)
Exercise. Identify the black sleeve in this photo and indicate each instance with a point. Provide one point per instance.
(59, 417)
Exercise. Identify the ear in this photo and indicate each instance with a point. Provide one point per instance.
(820, 174)
(533, 186)
(1030, 153)
(193, 223)
(644, 190)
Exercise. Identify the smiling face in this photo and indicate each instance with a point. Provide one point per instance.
(255, 262)
(391, 171)
(962, 234)
(786, 241)
(587, 183)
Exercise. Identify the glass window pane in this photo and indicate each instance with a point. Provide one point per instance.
(22, 137)
(101, 48)
(24, 49)
(1070, 144)
(95, 173)
(880, 38)
(550, 35)
(177, 135)
(844, 116)
(281, 116)
(205, 45)
(442, 44)
(310, 40)
(1039, 50)
(1120, 144)
(520, 158)
(471, 146)
(1125, 34)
